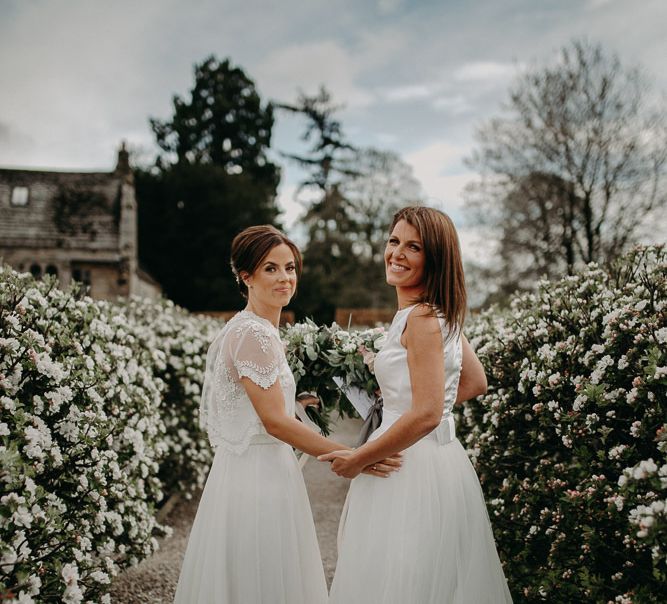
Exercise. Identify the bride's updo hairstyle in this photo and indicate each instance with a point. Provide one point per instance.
(444, 281)
(252, 245)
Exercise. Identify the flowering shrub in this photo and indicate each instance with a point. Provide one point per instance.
(177, 342)
(78, 462)
(97, 417)
(99, 411)
(570, 443)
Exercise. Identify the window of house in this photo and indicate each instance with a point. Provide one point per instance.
(52, 270)
(20, 196)
(36, 270)
(81, 275)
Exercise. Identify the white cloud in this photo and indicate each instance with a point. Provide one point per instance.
(485, 71)
(386, 7)
(598, 3)
(439, 168)
(454, 105)
(291, 208)
(409, 92)
(80, 86)
(92, 73)
(386, 139)
(14, 139)
(306, 66)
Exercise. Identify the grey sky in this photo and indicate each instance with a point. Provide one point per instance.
(416, 76)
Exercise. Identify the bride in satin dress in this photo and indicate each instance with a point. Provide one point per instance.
(422, 536)
(253, 539)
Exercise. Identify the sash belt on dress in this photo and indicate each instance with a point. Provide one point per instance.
(446, 431)
(443, 434)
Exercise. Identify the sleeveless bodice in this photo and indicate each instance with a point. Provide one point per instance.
(423, 534)
(391, 370)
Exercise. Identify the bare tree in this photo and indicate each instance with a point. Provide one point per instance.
(575, 169)
(382, 184)
(351, 195)
(328, 218)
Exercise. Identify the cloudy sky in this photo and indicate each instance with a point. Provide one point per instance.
(416, 76)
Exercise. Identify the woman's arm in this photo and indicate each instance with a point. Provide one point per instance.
(425, 364)
(270, 407)
(473, 379)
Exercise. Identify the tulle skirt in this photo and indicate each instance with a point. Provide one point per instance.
(421, 536)
(253, 540)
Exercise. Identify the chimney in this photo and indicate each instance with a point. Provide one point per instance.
(123, 164)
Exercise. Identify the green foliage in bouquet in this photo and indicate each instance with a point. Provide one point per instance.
(318, 354)
(570, 443)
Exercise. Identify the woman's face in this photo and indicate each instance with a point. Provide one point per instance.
(274, 281)
(404, 257)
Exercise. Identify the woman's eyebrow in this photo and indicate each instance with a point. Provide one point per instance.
(271, 263)
(409, 241)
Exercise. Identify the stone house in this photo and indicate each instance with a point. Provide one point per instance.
(76, 225)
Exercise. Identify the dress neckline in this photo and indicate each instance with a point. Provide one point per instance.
(407, 308)
(256, 317)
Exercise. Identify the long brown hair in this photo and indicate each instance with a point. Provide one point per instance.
(252, 245)
(444, 282)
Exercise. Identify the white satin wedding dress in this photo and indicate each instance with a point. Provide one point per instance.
(253, 540)
(421, 536)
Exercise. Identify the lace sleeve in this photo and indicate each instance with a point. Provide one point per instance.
(256, 354)
(245, 347)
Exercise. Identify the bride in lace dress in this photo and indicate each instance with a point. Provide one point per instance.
(253, 540)
(423, 535)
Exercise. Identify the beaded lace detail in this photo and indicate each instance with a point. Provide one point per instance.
(248, 346)
(262, 376)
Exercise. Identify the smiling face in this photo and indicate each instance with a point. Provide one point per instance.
(273, 282)
(404, 259)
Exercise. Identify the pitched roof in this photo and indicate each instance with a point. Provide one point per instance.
(65, 209)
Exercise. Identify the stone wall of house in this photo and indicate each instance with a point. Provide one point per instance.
(77, 225)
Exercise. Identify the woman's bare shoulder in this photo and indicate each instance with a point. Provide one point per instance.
(422, 322)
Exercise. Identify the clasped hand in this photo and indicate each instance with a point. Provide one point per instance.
(345, 464)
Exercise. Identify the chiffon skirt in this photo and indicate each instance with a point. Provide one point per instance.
(253, 540)
(421, 536)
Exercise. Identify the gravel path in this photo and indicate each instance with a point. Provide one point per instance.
(154, 580)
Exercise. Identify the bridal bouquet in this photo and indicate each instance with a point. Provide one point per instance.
(318, 354)
(353, 357)
(304, 344)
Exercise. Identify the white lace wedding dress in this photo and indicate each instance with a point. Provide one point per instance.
(253, 540)
(421, 536)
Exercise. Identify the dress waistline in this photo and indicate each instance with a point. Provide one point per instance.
(443, 434)
(264, 439)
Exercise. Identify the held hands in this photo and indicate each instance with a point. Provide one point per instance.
(345, 464)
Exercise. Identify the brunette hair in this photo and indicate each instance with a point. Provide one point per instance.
(444, 282)
(252, 245)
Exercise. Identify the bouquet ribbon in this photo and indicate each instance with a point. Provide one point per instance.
(372, 422)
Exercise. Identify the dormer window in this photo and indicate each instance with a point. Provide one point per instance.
(20, 196)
